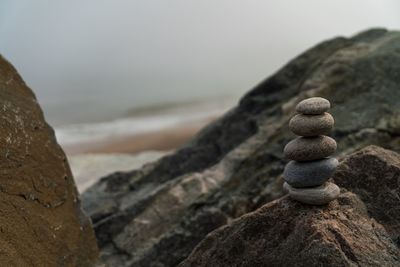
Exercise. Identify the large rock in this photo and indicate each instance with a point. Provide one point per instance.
(361, 228)
(41, 222)
(155, 216)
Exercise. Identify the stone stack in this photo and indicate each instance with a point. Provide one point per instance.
(306, 175)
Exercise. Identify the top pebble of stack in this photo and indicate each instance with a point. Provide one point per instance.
(313, 106)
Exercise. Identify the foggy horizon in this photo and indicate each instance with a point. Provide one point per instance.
(96, 59)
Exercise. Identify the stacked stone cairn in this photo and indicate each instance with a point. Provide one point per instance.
(306, 175)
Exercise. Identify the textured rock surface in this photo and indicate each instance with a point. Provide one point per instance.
(310, 148)
(41, 222)
(374, 174)
(311, 125)
(360, 228)
(231, 167)
(319, 195)
(313, 106)
(311, 173)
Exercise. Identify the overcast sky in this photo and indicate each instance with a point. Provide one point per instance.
(113, 55)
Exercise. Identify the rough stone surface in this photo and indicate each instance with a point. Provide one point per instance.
(310, 148)
(311, 125)
(41, 222)
(360, 228)
(310, 173)
(373, 173)
(319, 195)
(313, 106)
(234, 165)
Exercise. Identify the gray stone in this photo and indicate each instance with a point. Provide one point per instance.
(311, 125)
(320, 195)
(310, 148)
(313, 106)
(310, 173)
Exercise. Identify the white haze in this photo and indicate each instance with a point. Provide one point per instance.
(95, 59)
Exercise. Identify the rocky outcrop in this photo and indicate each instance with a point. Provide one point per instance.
(156, 215)
(41, 222)
(360, 228)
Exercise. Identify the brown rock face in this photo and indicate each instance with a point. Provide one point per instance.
(41, 222)
(373, 173)
(360, 228)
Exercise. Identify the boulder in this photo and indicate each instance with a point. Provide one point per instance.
(373, 174)
(360, 228)
(41, 222)
(156, 215)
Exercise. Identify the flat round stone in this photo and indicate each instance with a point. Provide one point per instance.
(313, 106)
(310, 148)
(309, 173)
(320, 195)
(311, 125)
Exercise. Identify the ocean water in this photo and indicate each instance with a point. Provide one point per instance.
(151, 118)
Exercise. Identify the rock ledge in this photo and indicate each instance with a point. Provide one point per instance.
(357, 229)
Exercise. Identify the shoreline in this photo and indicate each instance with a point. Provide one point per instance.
(162, 140)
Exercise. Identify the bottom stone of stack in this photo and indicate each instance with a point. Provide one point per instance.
(319, 195)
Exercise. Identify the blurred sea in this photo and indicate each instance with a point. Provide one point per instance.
(151, 118)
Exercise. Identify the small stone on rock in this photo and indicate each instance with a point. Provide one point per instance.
(309, 173)
(320, 195)
(313, 106)
(311, 125)
(310, 148)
